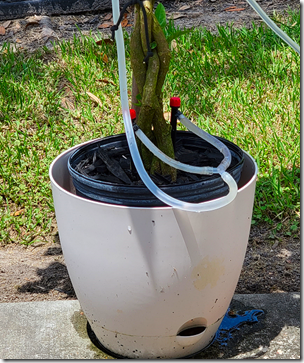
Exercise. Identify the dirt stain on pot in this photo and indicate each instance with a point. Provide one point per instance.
(79, 322)
(207, 272)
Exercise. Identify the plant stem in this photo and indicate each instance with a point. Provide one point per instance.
(148, 82)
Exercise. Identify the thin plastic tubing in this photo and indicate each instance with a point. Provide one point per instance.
(273, 26)
(165, 198)
(211, 139)
(205, 170)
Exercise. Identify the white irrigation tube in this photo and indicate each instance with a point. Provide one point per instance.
(165, 198)
(273, 26)
(211, 139)
(206, 170)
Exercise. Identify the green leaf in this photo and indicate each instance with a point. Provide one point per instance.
(160, 14)
(177, 34)
(153, 45)
(139, 98)
(294, 227)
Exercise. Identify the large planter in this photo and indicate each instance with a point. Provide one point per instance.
(152, 282)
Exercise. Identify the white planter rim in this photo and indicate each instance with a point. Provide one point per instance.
(63, 190)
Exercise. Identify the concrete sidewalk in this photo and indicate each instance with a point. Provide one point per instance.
(57, 330)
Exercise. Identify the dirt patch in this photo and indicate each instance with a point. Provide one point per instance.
(33, 32)
(33, 273)
(272, 264)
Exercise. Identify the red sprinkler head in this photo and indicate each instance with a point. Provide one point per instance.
(175, 102)
(132, 114)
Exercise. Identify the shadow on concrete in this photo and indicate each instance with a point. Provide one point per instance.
(253, 340)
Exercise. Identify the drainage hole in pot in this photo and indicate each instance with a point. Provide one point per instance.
(191, 331)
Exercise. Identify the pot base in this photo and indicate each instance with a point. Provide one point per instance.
(152, 347)
(101, 347)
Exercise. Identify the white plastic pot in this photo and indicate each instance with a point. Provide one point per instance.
(146, 276)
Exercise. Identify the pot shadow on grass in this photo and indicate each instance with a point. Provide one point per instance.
(54, 277)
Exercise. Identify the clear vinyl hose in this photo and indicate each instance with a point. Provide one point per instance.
(165, 198)
(273, 26)
(206, 170)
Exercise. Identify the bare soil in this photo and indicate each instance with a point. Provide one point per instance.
(38, 272)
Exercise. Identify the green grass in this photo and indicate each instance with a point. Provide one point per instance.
(243, 85)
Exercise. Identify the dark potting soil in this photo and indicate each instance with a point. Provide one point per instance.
(115, 165)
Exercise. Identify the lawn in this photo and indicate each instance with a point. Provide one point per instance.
(243, 85)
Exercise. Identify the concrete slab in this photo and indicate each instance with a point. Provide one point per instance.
(41, 330)
(57, 330)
